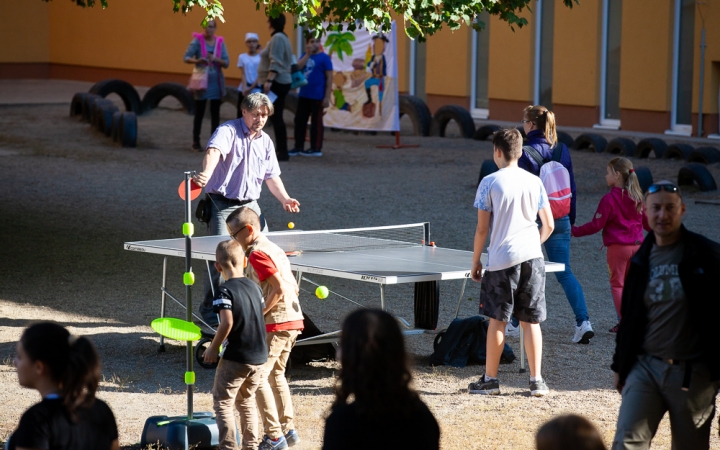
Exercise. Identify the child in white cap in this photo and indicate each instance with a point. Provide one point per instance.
(248, 64)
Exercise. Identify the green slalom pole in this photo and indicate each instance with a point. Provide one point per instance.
(189, 280)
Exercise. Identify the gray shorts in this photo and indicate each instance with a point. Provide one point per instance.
(518, 290)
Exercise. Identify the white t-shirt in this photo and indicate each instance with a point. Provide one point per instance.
(250, 67)
(513, 196)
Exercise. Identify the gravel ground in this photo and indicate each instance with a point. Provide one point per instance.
(70, 198)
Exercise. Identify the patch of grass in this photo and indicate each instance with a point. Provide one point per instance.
(164, 390)
(8, 361)
(119, 382)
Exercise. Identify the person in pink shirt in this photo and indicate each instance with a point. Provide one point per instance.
(621, 218)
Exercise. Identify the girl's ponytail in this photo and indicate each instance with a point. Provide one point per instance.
(83, 375)
(624, 167)
(544, 120)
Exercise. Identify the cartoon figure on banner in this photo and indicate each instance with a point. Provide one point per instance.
(358, 75)
(339, 80)
(378, 70)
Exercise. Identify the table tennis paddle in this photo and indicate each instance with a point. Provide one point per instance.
(195, 190)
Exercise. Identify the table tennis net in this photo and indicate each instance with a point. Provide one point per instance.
(355, 239)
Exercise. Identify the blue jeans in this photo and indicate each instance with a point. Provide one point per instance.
(219, 211)
(558, 250)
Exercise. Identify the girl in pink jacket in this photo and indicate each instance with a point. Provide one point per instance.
(621, 218)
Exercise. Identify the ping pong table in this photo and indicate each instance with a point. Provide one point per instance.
(381, 255)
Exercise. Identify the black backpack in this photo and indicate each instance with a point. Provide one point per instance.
(464, 342)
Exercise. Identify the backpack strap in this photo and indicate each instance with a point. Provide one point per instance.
(534, 154)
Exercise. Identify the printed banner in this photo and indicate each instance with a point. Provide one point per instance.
(364, 88)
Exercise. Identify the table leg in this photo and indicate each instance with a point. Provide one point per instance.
(212, 288)
(522, 350)
(162, 301)
(382, 297)
(462, 292)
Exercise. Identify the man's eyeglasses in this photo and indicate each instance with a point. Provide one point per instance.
(236, 233)
(667, 187)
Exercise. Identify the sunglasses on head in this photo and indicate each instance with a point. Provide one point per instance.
(667, 187)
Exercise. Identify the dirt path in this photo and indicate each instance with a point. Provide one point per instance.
(70, 198)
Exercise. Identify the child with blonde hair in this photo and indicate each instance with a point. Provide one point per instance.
(621, 218)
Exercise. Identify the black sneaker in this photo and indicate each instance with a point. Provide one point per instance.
(482, 387)
(293, 152)
(538, 388)
(196, 146)
(311, 152)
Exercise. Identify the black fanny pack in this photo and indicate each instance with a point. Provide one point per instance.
(202, 212)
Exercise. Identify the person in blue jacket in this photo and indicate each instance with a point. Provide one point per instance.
(539, 125)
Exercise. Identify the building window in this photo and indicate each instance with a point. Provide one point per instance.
(610, 65)
(480, 49)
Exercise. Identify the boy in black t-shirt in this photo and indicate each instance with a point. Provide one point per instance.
(239, 303)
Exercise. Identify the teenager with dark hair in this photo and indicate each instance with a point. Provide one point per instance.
(65, 370)
(385, 409)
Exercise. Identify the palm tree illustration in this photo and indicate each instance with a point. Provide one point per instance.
(340, 43)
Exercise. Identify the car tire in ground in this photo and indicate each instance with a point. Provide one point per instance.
(485, 132)
(127, 129)
(565, 138)
(76, 104)
(705, 155)
(96, 114)
(644, 176)
(106, 120)
(115, 131)
(488, 166)
(678, 151)
(125, 90)
(621, 146)
(200, 348)
(591, 141)
(698, 174)
(645, 146)
(87, 106)
(231, 96)
(418, 112)
(154, 96)
(460, 115)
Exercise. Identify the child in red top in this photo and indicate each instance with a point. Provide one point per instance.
(270, 268)
(621, 218)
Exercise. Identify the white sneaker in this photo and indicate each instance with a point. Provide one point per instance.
(512, 331)
(583, 333)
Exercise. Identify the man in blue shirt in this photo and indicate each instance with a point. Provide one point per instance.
(313, 98)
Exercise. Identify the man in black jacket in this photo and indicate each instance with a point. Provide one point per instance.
(663, 361)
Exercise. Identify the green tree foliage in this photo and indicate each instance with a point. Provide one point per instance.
(421, 17)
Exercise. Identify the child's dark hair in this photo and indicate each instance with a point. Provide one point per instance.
(374, 365)
(569, 432)
(509, 141)
(244, 216)
(229, 253)
(72, 362)
(544, 120)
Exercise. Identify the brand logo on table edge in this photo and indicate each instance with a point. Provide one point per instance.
(368, 277)
(133, 248)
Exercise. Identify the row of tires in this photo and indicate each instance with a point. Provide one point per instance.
(690, 174)
(625, 147)
(103, 115)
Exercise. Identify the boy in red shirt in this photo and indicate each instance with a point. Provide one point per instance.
(270, 268)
